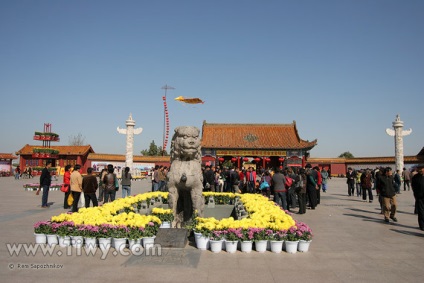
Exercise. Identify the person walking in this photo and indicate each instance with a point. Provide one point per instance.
(209, 179)
(325, 176)
(17, 172)
(89, 187)
(103, 173)
(418, 189)
(358, 182)
(397, 182)
(301, 191)
(76, 186)
(67, 182)
(45, 181)
(406, 176)
(280, 191)
(311, 186)
(366, 185)
(110, 184)
(350, 176)
(251, 180)
(388, 193)
(126, 182)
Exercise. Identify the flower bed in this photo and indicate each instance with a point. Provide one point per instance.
(35, 186)
(265, 220)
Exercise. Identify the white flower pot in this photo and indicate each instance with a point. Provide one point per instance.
(304, 246)
(202, 242)
(260, 246)
(246, 246)
(90, 243)
(276, 246)
(231, 246)
(148, 241)
(52, 240)
(104, 243)
(40, 238)
(216, 245)
(77, 241)
(165, 224)
(291, 246)
(133, 242)
(64, 241)
(120, 243)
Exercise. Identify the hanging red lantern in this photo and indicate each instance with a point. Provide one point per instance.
(221, 159)
(164, 97)
(233, 159)
(281, 159)
(267, 159)
(257, 159)
(245, 159)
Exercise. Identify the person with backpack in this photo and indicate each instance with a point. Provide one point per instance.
(111, 184)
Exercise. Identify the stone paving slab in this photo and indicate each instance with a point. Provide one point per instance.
(351, 244)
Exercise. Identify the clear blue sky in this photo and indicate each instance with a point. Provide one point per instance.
(341, 69)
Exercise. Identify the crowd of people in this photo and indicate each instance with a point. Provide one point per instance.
(289, 187)
(388, 185)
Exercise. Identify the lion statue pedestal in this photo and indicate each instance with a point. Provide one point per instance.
(185, 178)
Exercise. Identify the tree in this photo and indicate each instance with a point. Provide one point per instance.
(154, 150)
(347, 154)
(77, 140)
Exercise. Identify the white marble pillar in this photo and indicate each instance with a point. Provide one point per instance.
(398, 133)
(130, 132)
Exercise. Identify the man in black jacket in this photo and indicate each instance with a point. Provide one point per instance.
(418, 188)
(45, 181)
(209, 179)
(388, 193)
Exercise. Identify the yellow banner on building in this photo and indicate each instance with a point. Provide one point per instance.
(251, 152)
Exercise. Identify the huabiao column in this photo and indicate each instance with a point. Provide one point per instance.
(398, 133)
(130, 132)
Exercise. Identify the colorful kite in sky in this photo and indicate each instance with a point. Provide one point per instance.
(194, 100)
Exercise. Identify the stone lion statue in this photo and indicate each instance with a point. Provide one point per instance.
(185, 178)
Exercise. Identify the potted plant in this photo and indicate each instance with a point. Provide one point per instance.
(165, 215)
(291, 239)
(232, 236)
(63, 231)
(119, 234)
(305, 236)
(246, 242)
(261, 237)
(134, 235)
(41, 229)
(216, 239)
(149, 233)
(277, 241)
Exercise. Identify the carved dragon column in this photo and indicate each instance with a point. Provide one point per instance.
(398, 133)
(130, 132)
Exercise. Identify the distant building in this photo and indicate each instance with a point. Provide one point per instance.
(338, 166)
(257, 145)
(6, 160)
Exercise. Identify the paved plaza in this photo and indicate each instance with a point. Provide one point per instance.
(351, 244)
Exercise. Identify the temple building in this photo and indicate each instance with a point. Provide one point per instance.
(6, 164)
(256, 145)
